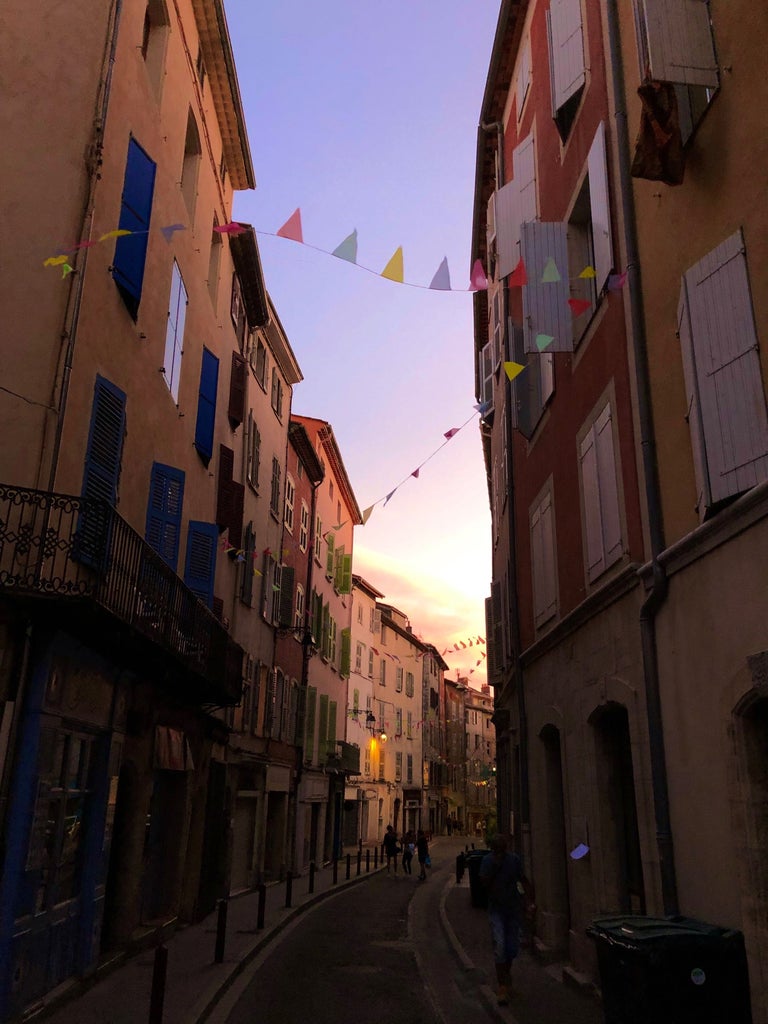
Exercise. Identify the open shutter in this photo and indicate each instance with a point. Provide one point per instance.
(600, 208)
(224, 494)
(236, 409)
(135, 209)
(346, 653)
(346, 575)
(174, 333)
(680, 44)
(609, 491)
(206, 405)
(692, 407)
(105, 442)
(507, 228)
(524, 163)
(728, 372)
(286, 597)
(200, 568)
(309, 742)
(523, 76)
(567, 50)
(591, 490)
(322, 734)
(329, 562)
(338, 567)
(545, 304)
(166, 495)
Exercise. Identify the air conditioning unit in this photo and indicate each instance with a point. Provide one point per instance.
(411, 805)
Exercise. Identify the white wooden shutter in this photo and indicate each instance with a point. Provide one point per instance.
(567, 50)
(524, 162)
(591, 491)
(545, 305)
(680, 45)
(497, 325)
(490, 220)
(507, 229)
(693, 410)
(728, 374)
(547, 377)
(486, 373)
(609, 491)
(543, 562)
(523, 77)
(600, 207)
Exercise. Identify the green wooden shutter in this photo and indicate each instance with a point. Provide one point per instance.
(322, 739)
(346, 575)
(329, 557)
(346, 652)
(309, 741)
(331, 743)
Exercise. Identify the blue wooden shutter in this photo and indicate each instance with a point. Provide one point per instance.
(131, 250)
(206, 405)
(166, 496)
(545, 304)
(202, 539)
(105, 442)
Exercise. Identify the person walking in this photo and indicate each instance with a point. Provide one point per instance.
(409, 848)
(510, 896)
(422, 851)
(390, 847)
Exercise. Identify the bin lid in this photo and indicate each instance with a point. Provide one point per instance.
(637, 929)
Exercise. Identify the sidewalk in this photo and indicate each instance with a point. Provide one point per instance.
(194, 982)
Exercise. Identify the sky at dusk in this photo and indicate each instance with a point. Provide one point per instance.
(364, 115)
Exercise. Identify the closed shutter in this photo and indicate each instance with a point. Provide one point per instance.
(567, 50)
(680, 44)
(346, 575)
(236, 409)
(332, 738)
(206, 405)
(224, 495)
(728, 372)
(249, 550)
(548, 547)
(591, 491)
(166, 495)
(330, 540)
(286, 597)
(545, 304)
(101, 472)
(309, 742)
(609, 491)
(135, 210)
(600, 208)
(692, 407)
(490, 645)
(322, 733)
(200, 568)
(174, 333)
(507, 228)
(346, 653)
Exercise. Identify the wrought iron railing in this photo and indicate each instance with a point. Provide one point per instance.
(62, 546)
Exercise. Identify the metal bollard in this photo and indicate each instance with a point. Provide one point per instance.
(157, 996)
(262, 905)
(367, 861)
(359, 860)
(349, 864)
(335, 871)
(221, 932)
(311, 876)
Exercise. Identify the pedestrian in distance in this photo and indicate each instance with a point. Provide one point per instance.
(409, 848)
(422, 851)
(390, 847)
(510, 899)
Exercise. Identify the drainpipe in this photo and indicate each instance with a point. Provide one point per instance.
(522, 766)
(659, 585)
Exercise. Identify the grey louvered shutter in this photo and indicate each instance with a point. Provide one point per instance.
(567, 50)
(600, 207)
(545, 305)
(680, 45)
(728, 373)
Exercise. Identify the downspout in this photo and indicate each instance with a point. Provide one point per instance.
(659, 585)
(522, 766)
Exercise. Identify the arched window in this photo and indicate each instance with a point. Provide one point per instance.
(191, 165)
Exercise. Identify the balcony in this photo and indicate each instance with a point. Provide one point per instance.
(344, 757)
(114, 591)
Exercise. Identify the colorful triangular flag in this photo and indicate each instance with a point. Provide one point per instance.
(551, 273)
(616, 281)
(231, 228)
(388, 497)
(66, 269)
(478, 281)
(55, 261)
(519, 277)
(292, 227)
(367, 514)
(442, 278)
(512, 370)
(117, 233)
(415, 473)
(450, 433)
(168, 231)
(347, 250)
(588, 272)
(543, 341)
(394, 269)
(579, 306)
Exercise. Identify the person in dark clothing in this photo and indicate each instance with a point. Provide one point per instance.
(390, 847)
(409, 848)
(422, 851)
(510, 897)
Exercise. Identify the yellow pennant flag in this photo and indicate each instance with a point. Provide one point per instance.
(117, 233)
(55, 261)
(394, 269)
(588, 272)
(512, 370)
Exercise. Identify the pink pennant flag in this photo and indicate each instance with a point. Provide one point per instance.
(232, 228)
(579, 306)
(478, 282)
(450, 433)
(267, 551)
(415, 473)
(375, 651)
(292, 227)
(519, 275)
(616, 281)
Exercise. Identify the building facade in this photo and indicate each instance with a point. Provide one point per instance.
(481, 762)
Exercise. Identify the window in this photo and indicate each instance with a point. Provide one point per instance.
(359, 648)
(230, 497)
(409, 725)
(214, 262)
(277, 393)
(360, 614)
(382, 673)
(398, 766)
(249, 564)
(206, 405)
(370, 664)
(101, 473)
(409, 768)
(274, 502)
(259, 362)
(202, 539)
(174, 333)
(237, 311)
(285, 611)
(270, 595)
(318, 537)
(532, 390)
(409, 684)
(290, 497)
(191, 164)
(566, 51)
(303, 525)
(237, 382)
(600, 496)
(543, 561)
(726, 407)
(298, 620)
(135, 209)
(154, 39)
(166, 496)
(398, 680)
(253, 452)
